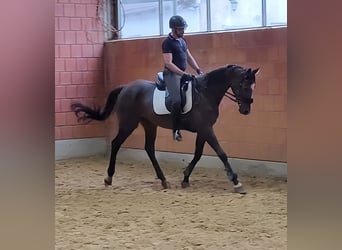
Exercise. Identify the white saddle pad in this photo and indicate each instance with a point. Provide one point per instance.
(159, 101)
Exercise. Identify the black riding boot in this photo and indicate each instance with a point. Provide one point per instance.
(177, 136)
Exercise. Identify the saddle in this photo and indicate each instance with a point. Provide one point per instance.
(162, 102)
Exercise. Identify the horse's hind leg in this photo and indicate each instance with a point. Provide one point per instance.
(150, 138)
(198, 153)
(124, 131)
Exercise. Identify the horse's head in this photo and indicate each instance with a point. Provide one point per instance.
(242, 85)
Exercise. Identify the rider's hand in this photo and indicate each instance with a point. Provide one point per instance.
(199, 72)
(186, 77)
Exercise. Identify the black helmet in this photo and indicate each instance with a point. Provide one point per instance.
(177, 22)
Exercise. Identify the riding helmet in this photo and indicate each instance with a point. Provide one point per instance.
(177, 22)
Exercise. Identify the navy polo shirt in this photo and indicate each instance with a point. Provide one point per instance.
(178, 49)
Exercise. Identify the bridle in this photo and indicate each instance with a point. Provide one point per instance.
(238, 99)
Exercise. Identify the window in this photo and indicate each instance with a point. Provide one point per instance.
(276, 12)
(140, 18)
(236, 14)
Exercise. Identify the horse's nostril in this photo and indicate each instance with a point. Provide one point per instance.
(246, 112)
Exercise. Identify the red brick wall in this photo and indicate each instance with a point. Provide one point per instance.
(262, 135)
(78, 65)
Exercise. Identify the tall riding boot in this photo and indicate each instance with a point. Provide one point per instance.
(177, 136)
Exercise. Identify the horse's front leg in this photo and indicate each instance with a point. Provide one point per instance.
(198, 153)
(212, 141)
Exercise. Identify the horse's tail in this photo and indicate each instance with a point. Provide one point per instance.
(86, 114)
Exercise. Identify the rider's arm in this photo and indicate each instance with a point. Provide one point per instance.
(192, 62)
(170, 65)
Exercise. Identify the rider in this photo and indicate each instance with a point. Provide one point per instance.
(176, 55)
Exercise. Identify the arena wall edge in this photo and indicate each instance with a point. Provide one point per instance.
(66, 149)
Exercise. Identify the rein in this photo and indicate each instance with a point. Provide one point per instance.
(234, 98)
(231, 96)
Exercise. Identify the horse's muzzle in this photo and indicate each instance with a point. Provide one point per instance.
(244, 110)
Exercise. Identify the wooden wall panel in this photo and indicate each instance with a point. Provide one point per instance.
(260, 135)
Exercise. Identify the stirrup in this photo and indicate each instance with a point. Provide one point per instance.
(177, 135)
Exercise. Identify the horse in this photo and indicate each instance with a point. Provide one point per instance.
(133, 103)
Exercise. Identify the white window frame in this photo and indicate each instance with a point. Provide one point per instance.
(108, 12)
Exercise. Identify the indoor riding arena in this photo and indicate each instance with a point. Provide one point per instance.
(97, 51)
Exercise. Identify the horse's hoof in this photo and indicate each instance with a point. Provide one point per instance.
(108, 181)
(239, 189)
(185, 184)
(165, 184)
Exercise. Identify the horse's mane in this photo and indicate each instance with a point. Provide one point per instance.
(214, 75)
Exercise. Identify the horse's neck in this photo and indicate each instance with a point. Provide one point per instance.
(214, 85)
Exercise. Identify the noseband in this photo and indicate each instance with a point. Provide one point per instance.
(237, 99)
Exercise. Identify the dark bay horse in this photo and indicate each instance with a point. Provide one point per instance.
(133, 105)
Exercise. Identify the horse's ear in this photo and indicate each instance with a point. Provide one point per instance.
(255, 71)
